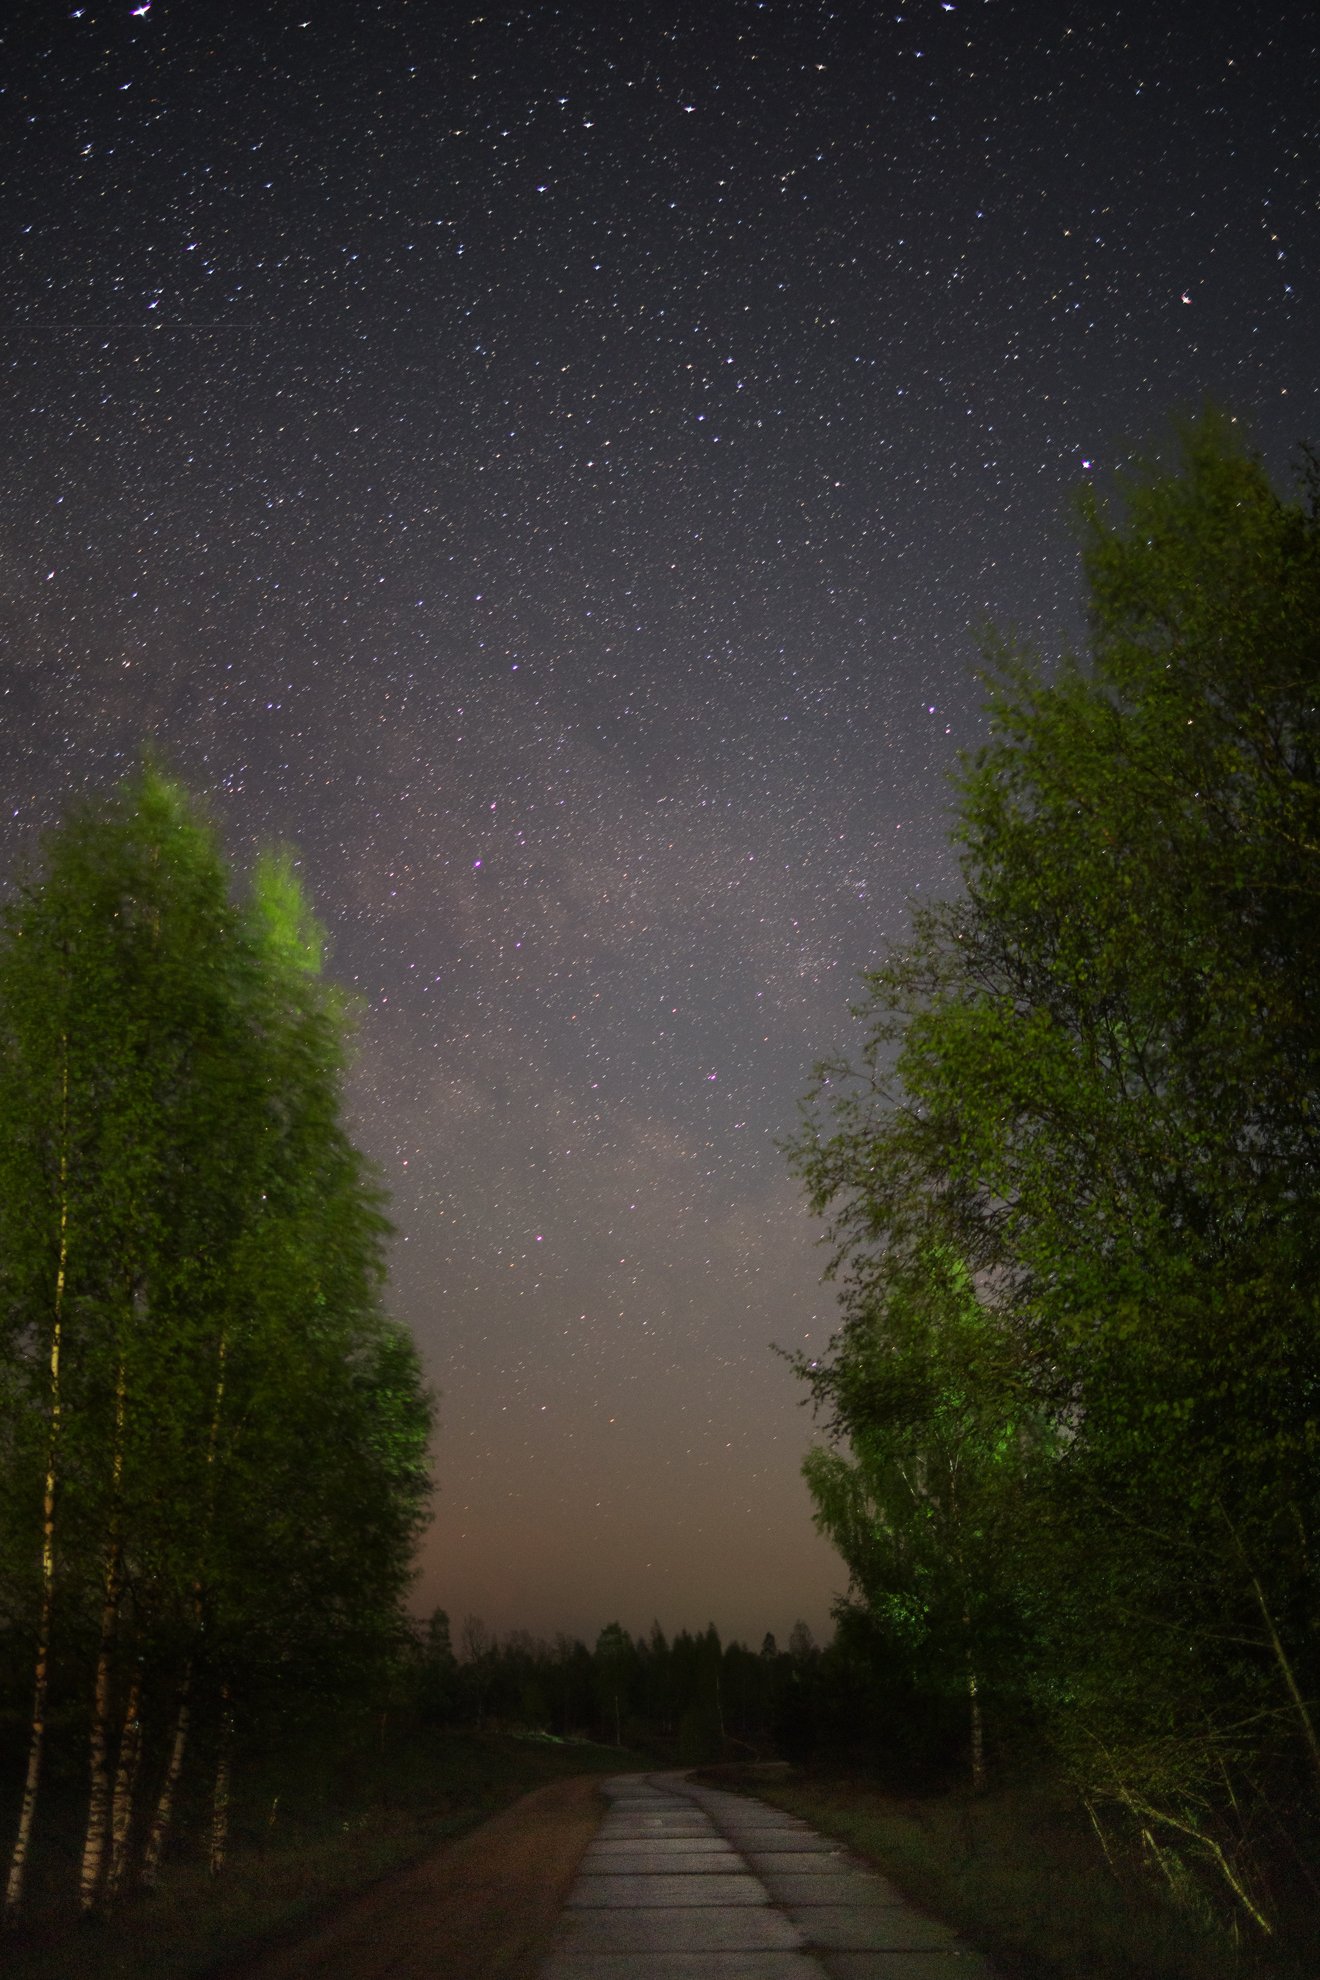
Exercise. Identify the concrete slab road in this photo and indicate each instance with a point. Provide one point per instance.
(684, 1882)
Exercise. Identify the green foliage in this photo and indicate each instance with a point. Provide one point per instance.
(192, 1350)
(923, 1507)
(1092, 1079)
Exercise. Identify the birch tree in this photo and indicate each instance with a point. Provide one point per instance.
(924, 1482)
(213, 1435)
(1096, 1071)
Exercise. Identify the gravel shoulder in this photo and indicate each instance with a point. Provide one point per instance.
(483, 1907)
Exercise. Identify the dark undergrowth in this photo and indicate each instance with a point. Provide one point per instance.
(310, 1828)
(1021, 1873)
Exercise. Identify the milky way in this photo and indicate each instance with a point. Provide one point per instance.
(549, 466)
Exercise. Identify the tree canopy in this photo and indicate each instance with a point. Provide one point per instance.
(1071, 1182)
(212, 1438)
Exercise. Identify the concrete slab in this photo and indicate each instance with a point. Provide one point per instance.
(960, 1963)
(872, 1928)
(712, 1887)
(766, 1841)
(802, 1862)
(657, 1825)
(689, 1883)
(654, 1862)
(737, 1809)
(604, 1844)
(795, 1888)
(756, 1815)
(695, 1790)
(770, 1835)
(692, 1928)
(685, 1966)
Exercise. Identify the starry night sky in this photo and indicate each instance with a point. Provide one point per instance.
(548, 464)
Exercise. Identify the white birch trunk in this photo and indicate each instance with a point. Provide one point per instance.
(121, 1811)
(41, 1676)
(98, 1808)
(164, 1815)
(220, 1797)
(163, 1818)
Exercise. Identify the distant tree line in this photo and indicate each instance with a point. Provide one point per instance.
(1072, 1179)
(688, 1698)
(212, 1438)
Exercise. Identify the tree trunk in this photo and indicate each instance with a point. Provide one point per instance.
(32, 1780)
(977, 1725)
(121, 1812)
(41, 1677)
(220, 1798)
(164, 1815)
(975, 1717)
(98, 1810)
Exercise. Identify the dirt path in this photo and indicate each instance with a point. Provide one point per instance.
(482, 1908)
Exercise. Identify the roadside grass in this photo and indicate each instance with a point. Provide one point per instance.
(1021, 1874)
(308, 1832)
